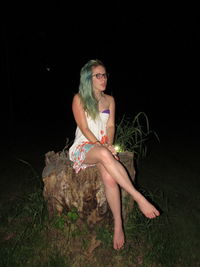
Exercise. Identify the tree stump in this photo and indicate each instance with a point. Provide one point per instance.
(64, 189)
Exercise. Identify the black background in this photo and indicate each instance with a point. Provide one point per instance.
(151, 53)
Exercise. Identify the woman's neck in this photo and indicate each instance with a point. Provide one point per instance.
(98, 95)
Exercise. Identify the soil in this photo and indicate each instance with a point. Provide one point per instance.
(171, 166)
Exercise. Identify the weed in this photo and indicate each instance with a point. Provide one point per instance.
(132, 134)
(59, 222)
(72, 215)
(104, 234)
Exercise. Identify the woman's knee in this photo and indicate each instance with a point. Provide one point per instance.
(105, 155)
(107, 179)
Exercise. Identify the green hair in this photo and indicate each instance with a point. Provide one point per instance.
(88, 99)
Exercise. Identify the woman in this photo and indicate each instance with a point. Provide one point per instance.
(94, 113)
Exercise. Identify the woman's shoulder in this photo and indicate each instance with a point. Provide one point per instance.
(77, 100)
(77, 97)
(109, 98)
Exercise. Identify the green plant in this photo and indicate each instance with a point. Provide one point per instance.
(59, 222)
(104, 235)
(72, 215)
(132, 134)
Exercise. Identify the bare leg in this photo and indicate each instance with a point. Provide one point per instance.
(100, 154)
(113, 198)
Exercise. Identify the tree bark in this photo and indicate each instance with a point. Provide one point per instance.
(64, 189)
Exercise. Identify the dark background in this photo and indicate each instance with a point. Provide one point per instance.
(151, 53)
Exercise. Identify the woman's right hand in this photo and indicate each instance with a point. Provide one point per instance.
(112, 149)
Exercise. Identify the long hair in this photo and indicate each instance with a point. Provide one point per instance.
(88, 99)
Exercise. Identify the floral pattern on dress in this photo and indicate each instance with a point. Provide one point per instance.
(104, 139)
(81, 145)
(78, 156)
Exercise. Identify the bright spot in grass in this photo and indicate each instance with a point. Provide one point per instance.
(117, 148)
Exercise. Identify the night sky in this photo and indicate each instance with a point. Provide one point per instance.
(151, 53)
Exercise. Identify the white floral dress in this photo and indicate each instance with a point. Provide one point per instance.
(77, 152)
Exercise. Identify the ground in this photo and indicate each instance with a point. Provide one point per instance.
(170, 172)
(172, 167)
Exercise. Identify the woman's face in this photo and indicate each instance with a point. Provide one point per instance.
(99, 78)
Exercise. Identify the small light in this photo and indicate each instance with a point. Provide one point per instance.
(117, 148)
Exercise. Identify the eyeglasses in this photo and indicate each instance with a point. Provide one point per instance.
(101, 75)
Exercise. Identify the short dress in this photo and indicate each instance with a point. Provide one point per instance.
(81, 145)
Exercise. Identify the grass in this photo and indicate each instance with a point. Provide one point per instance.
(132, 134)
(29, 238)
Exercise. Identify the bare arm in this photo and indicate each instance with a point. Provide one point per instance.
(80, 118)
(111, 127)
(111, 121)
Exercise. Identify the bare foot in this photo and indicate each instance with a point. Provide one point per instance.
(147, 208)
(118, 240)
